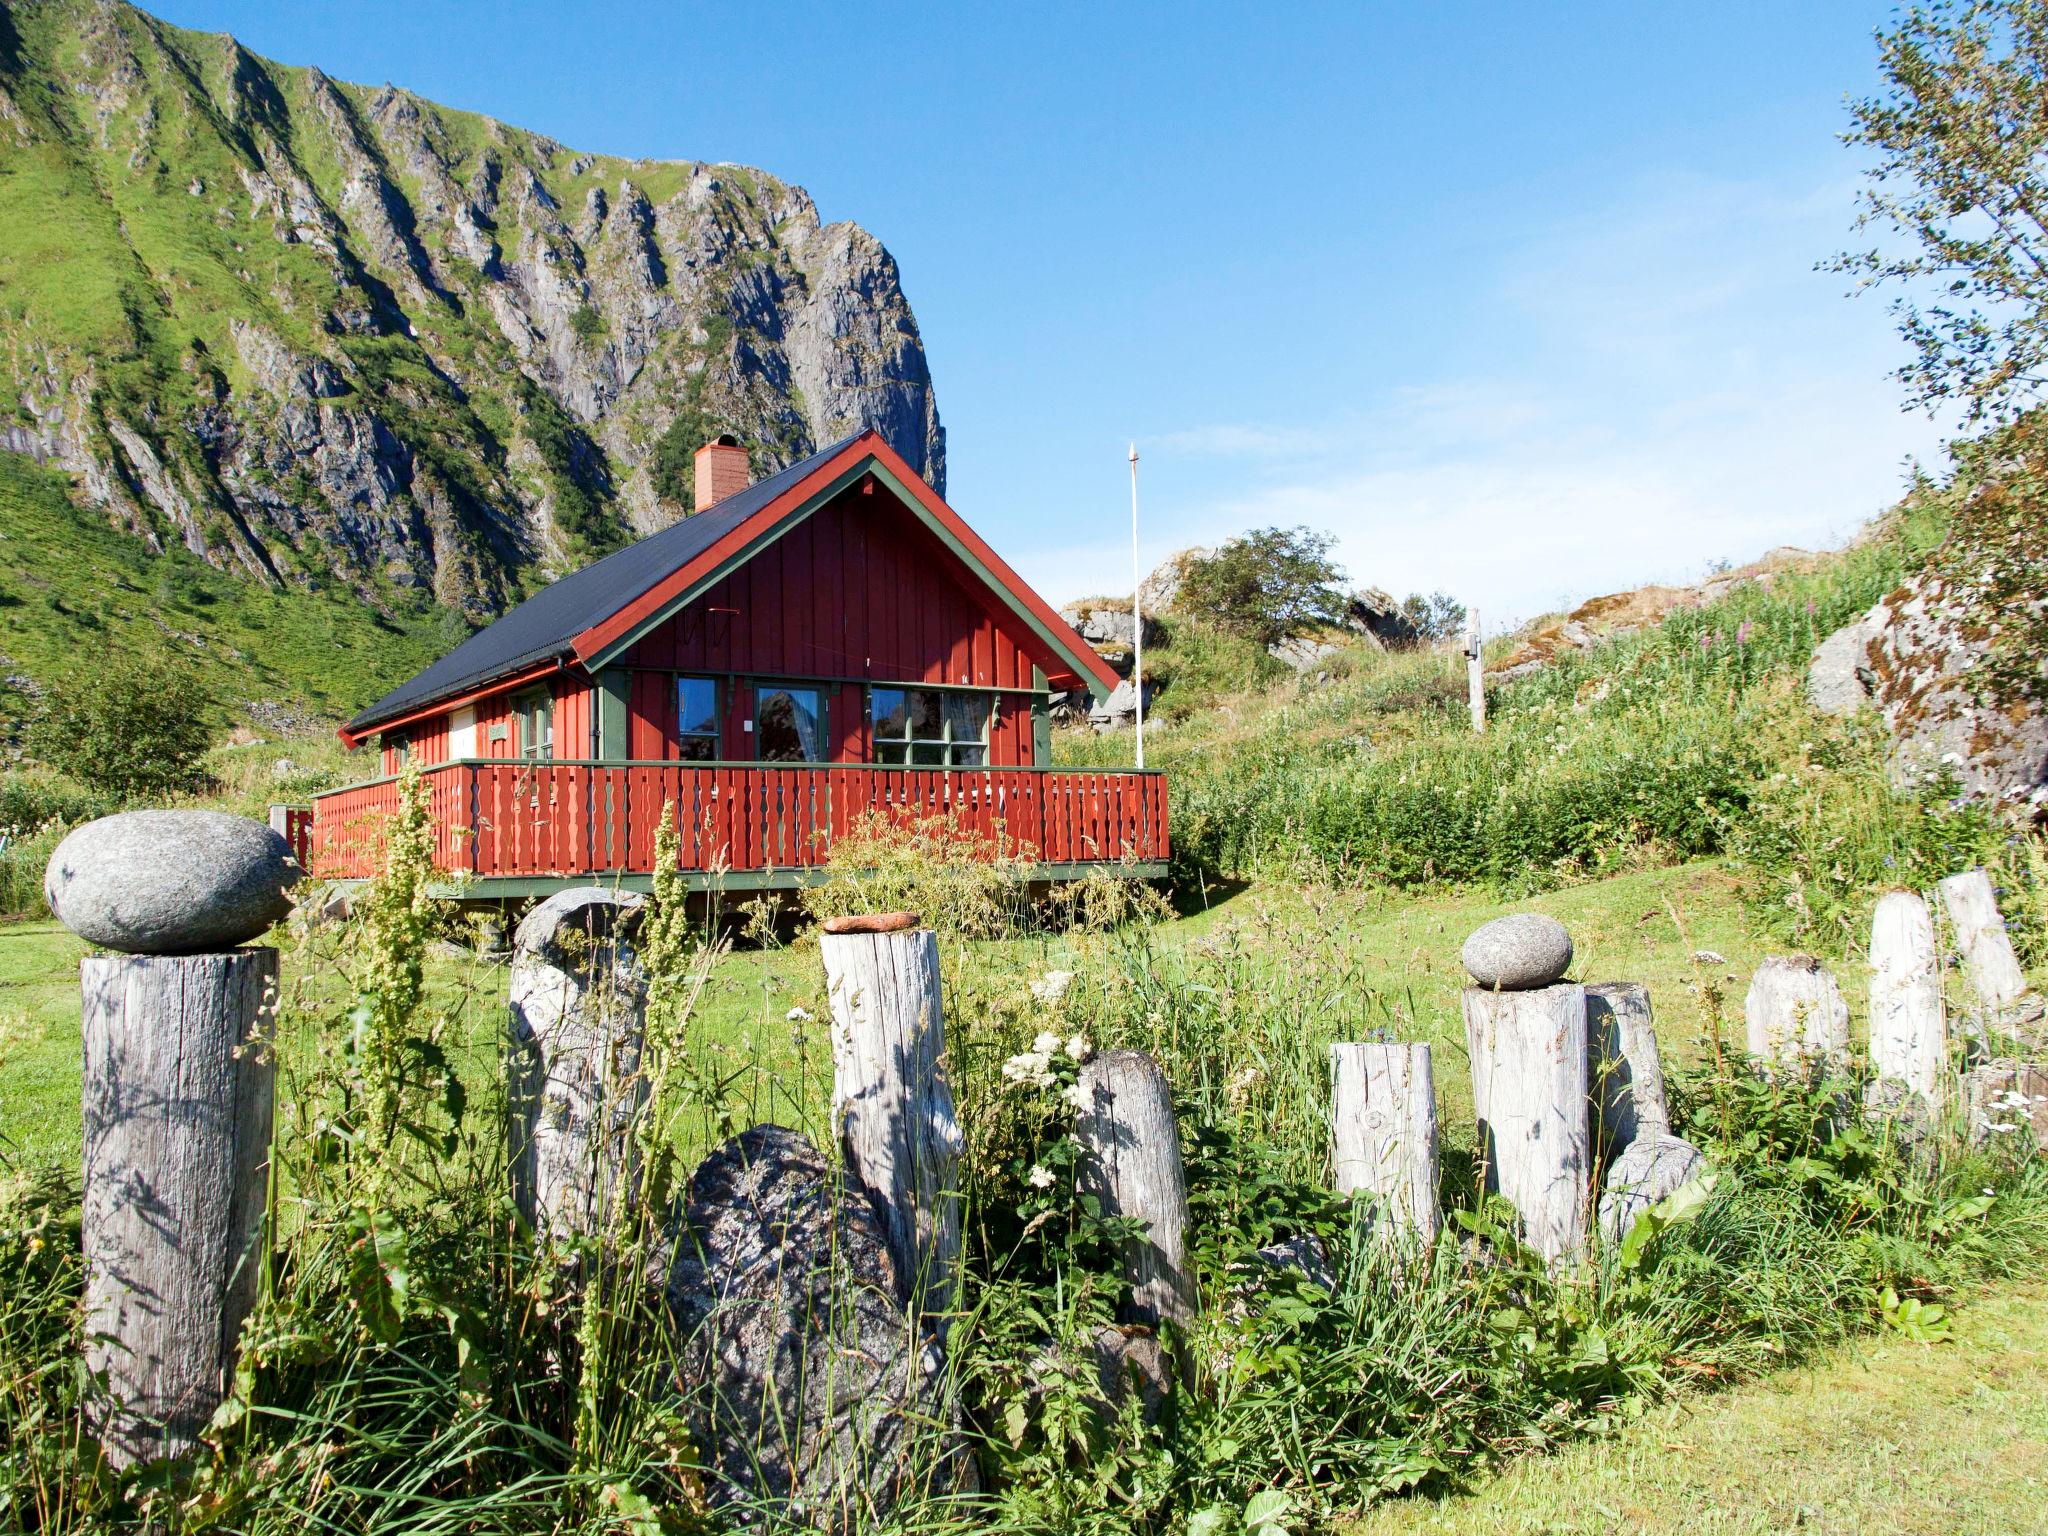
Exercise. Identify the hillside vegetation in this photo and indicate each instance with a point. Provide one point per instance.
(343, 343)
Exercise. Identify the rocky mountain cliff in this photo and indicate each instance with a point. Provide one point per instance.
(338, 338)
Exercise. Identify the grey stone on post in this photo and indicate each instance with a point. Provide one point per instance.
(1519, 952)
(170, 882)
(804, 1380)
(1653, 1167)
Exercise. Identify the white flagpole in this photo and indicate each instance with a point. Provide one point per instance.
(1137, 615)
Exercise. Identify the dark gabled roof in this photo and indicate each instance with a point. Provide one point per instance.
(541, 628)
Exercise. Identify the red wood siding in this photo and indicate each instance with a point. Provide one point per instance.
(426, 740)
(859, 591)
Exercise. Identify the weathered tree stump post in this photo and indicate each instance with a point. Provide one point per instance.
(1132, 1166)
(1908, 1030)
(1642, 1161)
(177, 1100)
(1795, 1018)
(1993, 969)
(1623, 1068)
(1383, 1138)
(179, 1087)
(890, 1098)
(1529, 1093)
(574, 1086)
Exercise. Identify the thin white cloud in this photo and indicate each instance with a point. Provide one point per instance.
(1666, 383)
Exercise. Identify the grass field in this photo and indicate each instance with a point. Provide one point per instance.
(1881, 1436)
(1403, 949)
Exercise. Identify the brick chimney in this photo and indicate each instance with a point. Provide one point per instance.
(721, 470)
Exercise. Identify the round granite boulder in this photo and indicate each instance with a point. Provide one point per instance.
(170, 882)
(1518, 952)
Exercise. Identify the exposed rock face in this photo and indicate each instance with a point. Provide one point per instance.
(170, 882)
(807, 1390)
(1119, 711)
(1924, 654)
(1108, 625)
(1376, 617)
(411, 349)
(1839, 678)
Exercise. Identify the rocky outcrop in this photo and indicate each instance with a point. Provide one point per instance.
(1926, 654)
(411, 350)
(1374, 616)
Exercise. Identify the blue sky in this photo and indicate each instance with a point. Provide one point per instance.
(1516, 300)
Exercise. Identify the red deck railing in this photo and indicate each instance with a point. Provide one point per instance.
(554, 819)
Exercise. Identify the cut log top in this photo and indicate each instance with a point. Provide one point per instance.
(873, 922)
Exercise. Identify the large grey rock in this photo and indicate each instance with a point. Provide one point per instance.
(1928, 655)
(1373, 614)
(1519, 952)
(1653, 1167)
(1119, 712)
(1109, 624)
(809, 1393)
(1839, 677)
(170, 882)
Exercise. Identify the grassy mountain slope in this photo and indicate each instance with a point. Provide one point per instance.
(328, 337)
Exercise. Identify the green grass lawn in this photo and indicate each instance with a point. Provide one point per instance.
(1880, 1436)
(1404, 948)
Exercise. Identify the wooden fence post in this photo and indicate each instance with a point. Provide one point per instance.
(1383, 1138)
(578, 1005)
(1132, 1165)
(178, 1095)
(1908, 1031)
(1794, 1016)
(1623, 1069)
(1529, 1093)
(1994, 970)
(1475, 672)
(890, 1099)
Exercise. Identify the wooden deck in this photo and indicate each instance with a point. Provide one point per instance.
(515, 828)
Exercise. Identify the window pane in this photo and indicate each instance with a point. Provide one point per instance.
(889, 710)
(967, 714)
(698, 749)
(926, 723)
(696, 706)
(969, 757)
(889, 751)
(786, 725)
(928, 754)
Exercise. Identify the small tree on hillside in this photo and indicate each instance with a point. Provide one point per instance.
(1961, 178)
(1269, 585)
(135, 726)
(1435, 617)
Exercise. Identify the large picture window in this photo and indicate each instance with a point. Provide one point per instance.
(930, 727)
(697, 732)
(789, 724)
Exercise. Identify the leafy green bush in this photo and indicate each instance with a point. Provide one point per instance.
(1266, 585)
(130, 726)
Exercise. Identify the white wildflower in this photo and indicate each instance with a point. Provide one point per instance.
(800, 1016)
(1046, 1043)
(1033, 1069)
(1075, 1095)
(1078, 1048)
(1051, 987)
(1040, 1176)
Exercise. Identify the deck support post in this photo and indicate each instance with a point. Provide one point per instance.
(179, 1080)
(1794, 1017)
(1979, 927)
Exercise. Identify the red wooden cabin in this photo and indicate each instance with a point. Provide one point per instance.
(828, 642)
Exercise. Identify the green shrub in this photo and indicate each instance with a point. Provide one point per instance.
(1266, 585)
(131, 726)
